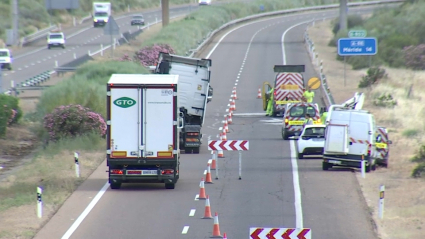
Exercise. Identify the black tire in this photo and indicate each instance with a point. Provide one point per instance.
(196, 150)
(325, 166)
(300, 155)
(115, 185)
(284, 134)
(374, 167)
(368, 168)
(170, 185)
(48, 46)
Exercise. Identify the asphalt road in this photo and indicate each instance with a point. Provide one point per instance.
(36, 58)
(276, 189)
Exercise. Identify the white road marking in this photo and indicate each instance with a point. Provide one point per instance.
(248, 114)
(210, 160)
(197, 197)
(295, 176)
(192, 212)
(205, 172)
(185, 229)
(85, 212)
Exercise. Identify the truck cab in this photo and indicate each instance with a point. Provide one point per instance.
(101, 13)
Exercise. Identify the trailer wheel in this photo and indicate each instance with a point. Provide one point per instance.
(325, 166)
(115, 185)
(170, 185)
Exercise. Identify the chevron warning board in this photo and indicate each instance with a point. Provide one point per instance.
(279, 233)
(231, 145)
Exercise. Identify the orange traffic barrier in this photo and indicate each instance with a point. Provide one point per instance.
(202, 190)
(220, 154)
(224, 236)
(224, 135)
(207, 213)
(208, 177)
(216, 228)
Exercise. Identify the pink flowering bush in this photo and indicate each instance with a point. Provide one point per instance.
(73, 120)
(148, 55)
(10, 112)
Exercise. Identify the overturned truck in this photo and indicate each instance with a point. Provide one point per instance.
(194, 93)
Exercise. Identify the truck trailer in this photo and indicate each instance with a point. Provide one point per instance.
(143, 129)
(194, 94)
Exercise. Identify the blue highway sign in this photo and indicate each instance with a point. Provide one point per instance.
(357, 46)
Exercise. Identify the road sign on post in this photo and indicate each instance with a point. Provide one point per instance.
(357, 46)
(111, 28)
(230, 145)
(287, 233)
(357, 33)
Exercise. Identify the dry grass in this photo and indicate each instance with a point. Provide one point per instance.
(404, 215)
(56, 174)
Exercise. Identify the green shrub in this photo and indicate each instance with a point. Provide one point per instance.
(410, 133)
(374, 74)
(420, 155)
(10, 112)
(385, 100)
(352, 22)
(419, 171)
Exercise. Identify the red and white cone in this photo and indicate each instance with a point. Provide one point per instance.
(216, 227)
(232, 105)
(235, 96)
(213, 163)
(259, 94)
(208, 177)
(220, 154)
(224, 135)
(207, 213)
(226, 126)
(202, 194)
(229, 119)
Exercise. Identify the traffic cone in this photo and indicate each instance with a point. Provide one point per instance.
(202, 195)
(234, 93)
(259, 94)
(208, 177)
(224, 135)
(207, 213)
(224, 236)
(233, 105)
(213, 164)
(229, 120)
(216, 228)
(220, 154)
(226, 126)
(221, 136)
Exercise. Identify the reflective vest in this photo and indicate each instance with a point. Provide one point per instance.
(308, 121)
(309, 96)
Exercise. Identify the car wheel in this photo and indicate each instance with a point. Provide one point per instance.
(325, 166)
(300, 155)
(115, 185)
(170, 185)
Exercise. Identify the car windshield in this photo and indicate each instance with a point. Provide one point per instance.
(4, 53)
(137, 17)
(314, 131)
(101, 14)
(55, 36)
(300, 111)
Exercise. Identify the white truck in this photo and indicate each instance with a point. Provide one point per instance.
(350, 136)
(143, 128)
(101, 13)
(194, 94)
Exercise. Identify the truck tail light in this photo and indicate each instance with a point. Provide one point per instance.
(286, 121)
(116, 171)
(167, 171)
(192, 134)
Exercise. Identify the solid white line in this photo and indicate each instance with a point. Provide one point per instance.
(295, 175)
(192, 212)
(85, 212)
(185, 229)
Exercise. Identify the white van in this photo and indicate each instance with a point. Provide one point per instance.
(349, 137)
(6, 59)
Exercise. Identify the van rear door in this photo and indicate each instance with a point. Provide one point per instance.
(336, 139)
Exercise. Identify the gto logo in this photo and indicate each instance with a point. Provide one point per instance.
(124, 102)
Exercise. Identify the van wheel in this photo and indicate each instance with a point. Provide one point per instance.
(325, 166)
(170, 185)
(373, 167)
(284, 134)
(368, 168)
(300, 156)
(115, 185)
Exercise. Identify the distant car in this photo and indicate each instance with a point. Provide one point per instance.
(55, 39)
(6, 59)
(204, 2)
(311, 141)
(137, 20)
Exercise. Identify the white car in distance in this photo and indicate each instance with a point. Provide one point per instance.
(311, 141)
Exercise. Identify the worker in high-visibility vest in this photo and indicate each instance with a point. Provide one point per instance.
(269, 111)
(323, 117)
(308, 95)
(308, 120)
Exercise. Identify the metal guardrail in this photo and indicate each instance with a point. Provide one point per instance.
(37, 35)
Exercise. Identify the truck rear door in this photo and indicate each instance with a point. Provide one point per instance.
(288, 87)
(160, 122)
(125, 120)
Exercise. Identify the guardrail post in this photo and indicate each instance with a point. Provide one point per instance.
(56, 63)
(75, 55)
(128, 7)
